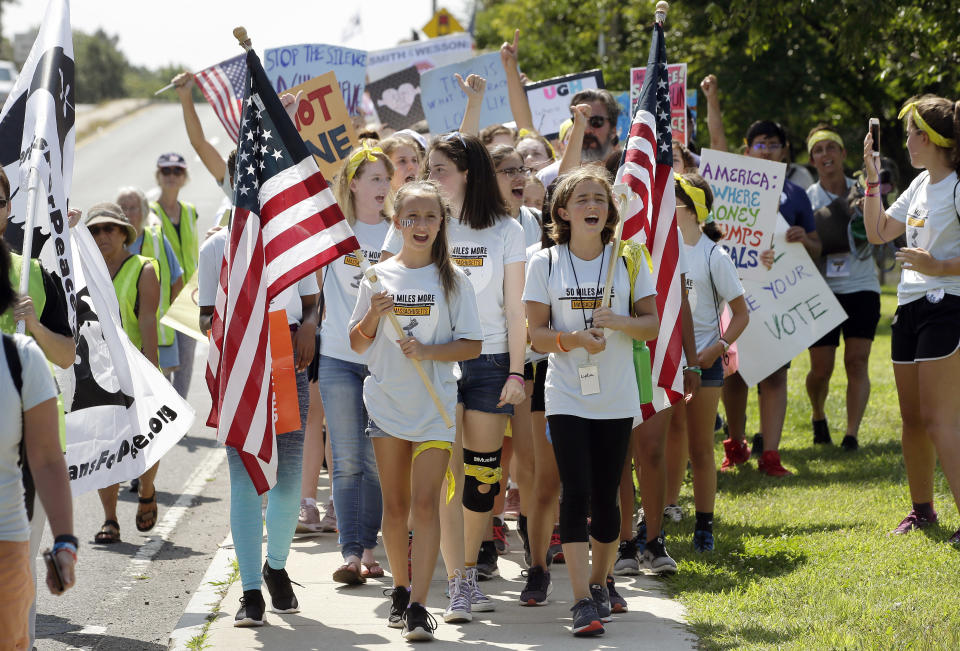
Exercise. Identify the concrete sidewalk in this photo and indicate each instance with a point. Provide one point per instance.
(334, 616)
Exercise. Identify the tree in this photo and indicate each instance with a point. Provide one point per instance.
(100, 67)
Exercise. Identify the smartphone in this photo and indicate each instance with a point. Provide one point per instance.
(54, 570)
(875, 132)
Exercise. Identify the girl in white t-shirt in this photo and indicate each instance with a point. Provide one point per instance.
(435, 305)
(925, 336)
(591, 390)
(362, 190)
(712, 284)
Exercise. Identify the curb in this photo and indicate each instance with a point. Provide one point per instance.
(96, 126)
(206, 599)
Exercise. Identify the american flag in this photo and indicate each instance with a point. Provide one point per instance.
(286, 224)
(223, 86)
(650, 217)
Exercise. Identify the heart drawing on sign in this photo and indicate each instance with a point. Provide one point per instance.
(399, 100)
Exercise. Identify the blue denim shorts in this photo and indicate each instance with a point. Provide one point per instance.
(374, 432)
(713, 376)
(481, 382)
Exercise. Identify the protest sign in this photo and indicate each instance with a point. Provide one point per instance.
(423, 55)
(444, 103)
(295, 64)
(550, 99)
(677, 73)
(123, 415)
(324, 123)
(183, 315)
(790, 308)
(746, 198)
(625, 118)
(396, 98)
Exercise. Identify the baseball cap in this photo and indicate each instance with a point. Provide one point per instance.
(172, 160)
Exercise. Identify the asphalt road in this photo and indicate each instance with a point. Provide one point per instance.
(130, 595)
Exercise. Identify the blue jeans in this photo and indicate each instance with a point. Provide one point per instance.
(283, 502)
(356, 484)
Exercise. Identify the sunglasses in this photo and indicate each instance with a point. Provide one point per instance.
(102, 228)
(3, 203)
(597, 121)
(514, 172)
(175, 171)
(767, 146)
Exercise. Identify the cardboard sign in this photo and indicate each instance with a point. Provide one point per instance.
(444, 103)
(291, 65)
(677, 75)
(550, 99)
(324, 123)
(441, 24)
(790, 308)
(183, 315)
(396, 98)
(423, 55)
(746, 198)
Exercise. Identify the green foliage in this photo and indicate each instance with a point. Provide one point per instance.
(100, 67)
(796, 61)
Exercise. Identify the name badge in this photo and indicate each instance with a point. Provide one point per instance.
(838, 265)
(589, 379)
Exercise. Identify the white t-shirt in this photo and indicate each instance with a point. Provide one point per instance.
(930, 213)
(38, 387)
(340, 286)
(532, 357)
(561, 289)
(845, 273)
(482, 255)
(549, 173)
(208, 265)
(393, 393)
(700, 293)
(530, 220)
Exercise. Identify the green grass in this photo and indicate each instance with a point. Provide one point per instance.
(805, 562)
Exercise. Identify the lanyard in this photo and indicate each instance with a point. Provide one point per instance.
(587, 323)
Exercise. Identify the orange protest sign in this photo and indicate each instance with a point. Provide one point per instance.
(324, 122)
(286, 409)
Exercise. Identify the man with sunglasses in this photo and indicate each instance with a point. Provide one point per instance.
(600, 136)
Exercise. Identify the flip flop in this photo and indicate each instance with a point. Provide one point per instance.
(149, 514)
(372, 570)
(105, 536)
(349, 574)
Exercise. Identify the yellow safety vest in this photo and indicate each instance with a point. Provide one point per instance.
(152, 247)
(184, 242)
(126, 285)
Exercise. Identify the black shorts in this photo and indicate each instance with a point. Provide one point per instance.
(539, 382)
(925, 331)
(863, 315)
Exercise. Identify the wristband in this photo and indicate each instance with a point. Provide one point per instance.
(871, 184)
(65, 546)
(365, 335)
(67, 538)
(723, 342)
(693, 369)
(517, 377)
(875, 193)
(560, 346)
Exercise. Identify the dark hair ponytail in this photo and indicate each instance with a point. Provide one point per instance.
(712, 230)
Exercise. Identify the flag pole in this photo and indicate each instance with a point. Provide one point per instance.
(33, 184)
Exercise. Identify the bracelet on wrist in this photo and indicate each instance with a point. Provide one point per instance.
(67, 538)
(873, 184)
(365, 335)
(725, 344)
(560, 345)
(875, 193)
(693, 369)
(518, 378)
(67, 547)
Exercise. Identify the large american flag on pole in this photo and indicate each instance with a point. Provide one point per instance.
(223, 86)
(286, 224)
(650, 217)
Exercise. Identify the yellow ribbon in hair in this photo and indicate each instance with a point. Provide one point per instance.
(696, 195)
(918, 120)
(439, 445)
(821, 135)
(365, 153)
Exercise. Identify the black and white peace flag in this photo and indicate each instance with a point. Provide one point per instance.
(36, 149)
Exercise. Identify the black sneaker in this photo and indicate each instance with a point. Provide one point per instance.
(251, 609)
(657, 559)
(850, 443)
(538, 586)
(487, 561)
(821, 432)
(586, 621)
(627, 562)
(500, 531)
(281, 592)
(601, 598)
(617, 603)
(757, 448)
(399, 600)
(418, 624)
(525, 538)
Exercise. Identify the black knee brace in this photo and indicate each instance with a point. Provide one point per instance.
(480, 468)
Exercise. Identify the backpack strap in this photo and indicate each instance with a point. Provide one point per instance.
(16, 374)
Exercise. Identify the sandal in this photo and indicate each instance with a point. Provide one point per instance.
(372, 570)
(350, 574)
(150, 515)
(109, 533)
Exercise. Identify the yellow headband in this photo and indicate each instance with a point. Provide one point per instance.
(918, 120)
(820, 136)
(697, 196)
(365, 153)
(565, 129)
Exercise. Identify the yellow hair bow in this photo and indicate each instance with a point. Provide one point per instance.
(935, 138)
(696, 195)
(821, 135)
(365, 153)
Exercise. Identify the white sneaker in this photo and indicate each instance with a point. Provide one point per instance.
(459, 609)
(673, 512)
(479, 602)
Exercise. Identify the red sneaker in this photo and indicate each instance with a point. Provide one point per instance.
(735, 453)
(770, 464)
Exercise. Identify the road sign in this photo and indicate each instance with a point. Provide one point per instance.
(441, 24)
